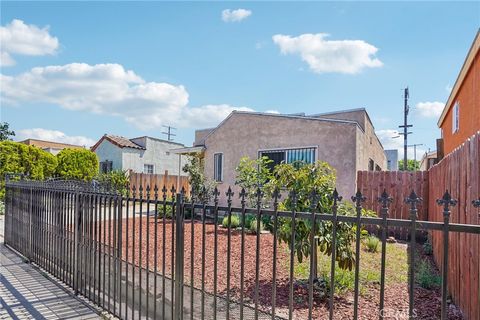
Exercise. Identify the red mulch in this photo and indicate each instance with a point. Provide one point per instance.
(427, 302)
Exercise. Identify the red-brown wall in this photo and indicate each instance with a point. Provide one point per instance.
(468, 97)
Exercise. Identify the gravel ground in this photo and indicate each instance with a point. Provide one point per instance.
(427, 302)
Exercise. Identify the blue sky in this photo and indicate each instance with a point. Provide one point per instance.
(128, 68)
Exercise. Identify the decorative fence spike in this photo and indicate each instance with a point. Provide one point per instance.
(358, 198)
(259, 194)
(276, 196)
(385, 199)
(204, 195)
(229, 195)
(447, 201)
(155, 192)
(216, 193)
(134, 191)
(335, 197)
(313, 197)
(242, 195)
(164, 192)
(413, 200)
(148, 191)
(173, 191)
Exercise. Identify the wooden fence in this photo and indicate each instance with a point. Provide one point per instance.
(399, 185)
(459, 172)
(160, 180)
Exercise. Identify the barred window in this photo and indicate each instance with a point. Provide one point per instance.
(148, 168)
(305, 155)
(106, 166)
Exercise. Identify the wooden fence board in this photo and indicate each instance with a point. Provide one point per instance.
(159, 180)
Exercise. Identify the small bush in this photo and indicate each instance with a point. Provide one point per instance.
(427, 248)
(234, 221)
(426, 276)
(372, 243)
(253, 226)
(2, 208)
(167, 209)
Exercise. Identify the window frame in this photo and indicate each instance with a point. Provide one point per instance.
(456, 117)
(285, 150)
(215, 178)
(146, 171)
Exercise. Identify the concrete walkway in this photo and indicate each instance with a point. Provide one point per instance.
(27, 294)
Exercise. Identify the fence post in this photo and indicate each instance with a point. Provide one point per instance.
(446, 201)
(385, 200)
(413, 200)
(358, 198)
(77, 230)
(179, 247)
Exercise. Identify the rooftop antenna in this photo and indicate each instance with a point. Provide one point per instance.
(169, 132)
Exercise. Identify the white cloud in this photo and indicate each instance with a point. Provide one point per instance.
(54, 135)
(322, 56)
(237, 15)
(112, 90)
(22, 39)
(388, 141)
(430, 109)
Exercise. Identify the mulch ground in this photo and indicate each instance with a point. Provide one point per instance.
(427, 302)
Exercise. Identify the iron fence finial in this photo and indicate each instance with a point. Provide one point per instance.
(276, 195)
(155, 192)
(385, 199)
(358, 198)
(242, 195)
(335, 197)
(447, 201)
(216, 193)
(164, 192)
(259, 194)
(313, 199)
(229, 195)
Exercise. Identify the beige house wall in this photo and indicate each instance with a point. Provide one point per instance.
(246, 134)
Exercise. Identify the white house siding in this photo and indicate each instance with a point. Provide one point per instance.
(132, 159)
(107, 151)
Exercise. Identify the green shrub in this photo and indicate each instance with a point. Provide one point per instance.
(427, 277)
(372, 243)
(253, 226)
(234, 221)
(167, 209)
(77, 164)
(117, 180)
(427, 248)
(2, 208)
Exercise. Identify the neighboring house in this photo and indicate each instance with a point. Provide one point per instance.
(345, 139)
(428, 160)
(143, 155)
(460, 118)
(392, 159)
(50, 146)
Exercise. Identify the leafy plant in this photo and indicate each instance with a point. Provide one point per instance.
(427, 248)
(201, 186)
(234, 221)
(5, 132)
(18, 158)
(412, 165)
(77, 164)
(253, 226)
(2, 208)
(372, 243)
(427, 277)
(253, 174)
(117, 180)
(167, 210)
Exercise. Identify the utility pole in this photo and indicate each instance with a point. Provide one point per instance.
(405, 127)
(169, 133)
(415, 153)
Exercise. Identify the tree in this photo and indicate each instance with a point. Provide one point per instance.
(77, 164)
(5, 133)
(252, 174)
(201, 186)
(18, 158)
(412, 165)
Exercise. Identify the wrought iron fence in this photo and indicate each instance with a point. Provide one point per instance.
(159, 256)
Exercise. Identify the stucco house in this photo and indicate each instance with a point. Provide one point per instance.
(345, 139)
(142, 155)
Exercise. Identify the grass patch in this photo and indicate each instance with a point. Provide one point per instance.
(396, 269)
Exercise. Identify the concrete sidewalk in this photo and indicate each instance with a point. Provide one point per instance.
(27, 294)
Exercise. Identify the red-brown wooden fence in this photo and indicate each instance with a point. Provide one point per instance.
(160, 180)
(399, 185)
(459, 172)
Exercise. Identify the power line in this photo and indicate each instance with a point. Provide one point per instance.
(169, 132)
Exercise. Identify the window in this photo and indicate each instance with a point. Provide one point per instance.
(389, 164)
(106, 166)
(371, 165)
(218, 167)
(456, 117)
(148, 168)
(377, 168)
(306, 155)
